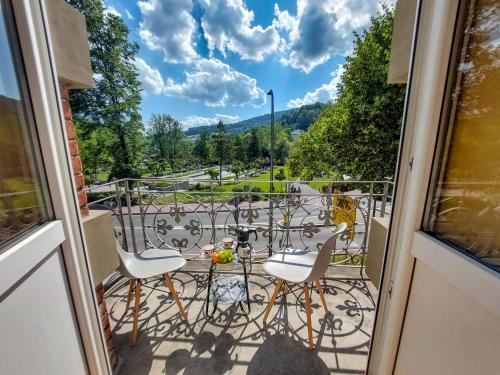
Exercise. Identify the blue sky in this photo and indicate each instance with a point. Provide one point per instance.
(201, 60)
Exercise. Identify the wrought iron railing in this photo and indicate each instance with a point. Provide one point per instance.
(186, 214)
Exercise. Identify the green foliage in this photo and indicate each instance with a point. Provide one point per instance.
(239, 148)
(295, 118)
(94, 152)
(168, 141)
(280, 175)
(221, 146)
(113, 103)
(301, 118)
(236, 168)
(199, 187)
(201, 149)
(156, 166)
(254, 150)
(358, 135)
(213, 174)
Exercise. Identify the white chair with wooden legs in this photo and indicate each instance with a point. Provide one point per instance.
(300, 267)
(149, 263)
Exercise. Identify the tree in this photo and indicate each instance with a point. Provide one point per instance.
(113, 103)
(168, 141)
(158, 132)
(239, 148)
(220, 144)
(254, 146)
(201, 149)
(280, 176)
(155, 166)
(281, 151)
(237, 168)
(213, 174)
(94, 151)
(358, 135)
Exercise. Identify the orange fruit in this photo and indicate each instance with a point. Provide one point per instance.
(215, 258)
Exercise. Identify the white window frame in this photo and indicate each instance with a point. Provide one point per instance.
(435, 24)
(31, 22)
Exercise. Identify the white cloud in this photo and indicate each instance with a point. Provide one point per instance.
(169, 27)
(129, 15)
(151, 78)
(195, 120)
(228, 25)
(109, 9)
(284, 20)
(322, 28)
(327, 92)
(216, 84)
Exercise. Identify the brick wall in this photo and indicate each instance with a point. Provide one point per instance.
(76, 163)
(79, 178)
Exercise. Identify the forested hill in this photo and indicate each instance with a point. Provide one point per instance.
(295, 118)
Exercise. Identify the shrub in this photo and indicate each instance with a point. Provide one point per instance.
(256, 191)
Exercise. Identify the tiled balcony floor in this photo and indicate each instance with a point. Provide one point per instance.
(233, 343)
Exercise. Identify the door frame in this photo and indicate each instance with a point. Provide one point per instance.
(35, 44)
(433, 38)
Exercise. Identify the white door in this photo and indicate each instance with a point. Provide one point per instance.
(443, 312)
(45, 320)
(453, 314)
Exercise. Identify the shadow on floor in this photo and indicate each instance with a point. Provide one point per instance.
(235, 343)
(280, 354)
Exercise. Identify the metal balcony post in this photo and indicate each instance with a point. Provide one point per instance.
(384, 198)
(130, 218)
(121, 219)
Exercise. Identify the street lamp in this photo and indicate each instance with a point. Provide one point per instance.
(271, 153)
(271, 175)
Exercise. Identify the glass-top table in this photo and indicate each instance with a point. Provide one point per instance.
(228, 284)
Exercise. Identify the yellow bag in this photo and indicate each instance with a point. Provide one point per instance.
(344, 211)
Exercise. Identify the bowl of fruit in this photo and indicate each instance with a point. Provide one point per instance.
(223, 257)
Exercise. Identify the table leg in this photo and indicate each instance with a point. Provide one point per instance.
(210, 275)
(246, 284)
(215, 308)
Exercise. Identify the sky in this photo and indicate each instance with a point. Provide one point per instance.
(204, 60)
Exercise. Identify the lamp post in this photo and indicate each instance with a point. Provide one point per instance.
(271, 153)
(271, 176)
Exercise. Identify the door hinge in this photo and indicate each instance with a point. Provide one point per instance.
(391, 284)
(411, 163)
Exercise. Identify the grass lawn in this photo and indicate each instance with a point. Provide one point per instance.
(318, 185)
(103, 176)
(261, 181)
(225, 191)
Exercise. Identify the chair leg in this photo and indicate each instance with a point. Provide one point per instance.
(286, 287)
(271, 301)
(131, 285)
(136, 310)
(322, 296)
(308, 312)
(170, 285)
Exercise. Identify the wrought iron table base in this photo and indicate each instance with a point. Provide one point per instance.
(240, 304)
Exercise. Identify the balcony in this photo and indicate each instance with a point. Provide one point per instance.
(171, 214)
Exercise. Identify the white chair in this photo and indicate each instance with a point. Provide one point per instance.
(297, 267)
(149, 263)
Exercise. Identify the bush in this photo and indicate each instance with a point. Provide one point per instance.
(199, 187)
(161, 184)
(256, 191)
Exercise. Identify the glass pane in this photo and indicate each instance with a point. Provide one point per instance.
(21, 203)
(465, 209)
